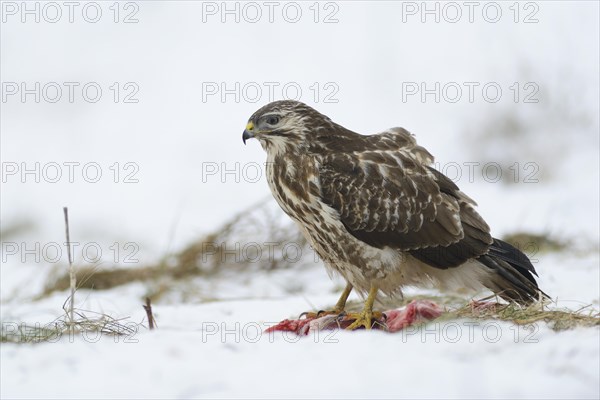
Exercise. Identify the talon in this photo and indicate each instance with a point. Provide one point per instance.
(308, 315)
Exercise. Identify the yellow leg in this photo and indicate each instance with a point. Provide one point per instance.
(365, 317)
(341, 304)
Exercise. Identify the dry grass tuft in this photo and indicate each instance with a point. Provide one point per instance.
(82, 324)
(252, 240)
(556, 319)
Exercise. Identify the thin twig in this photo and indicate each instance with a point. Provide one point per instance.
(148, 308)
(73, 278)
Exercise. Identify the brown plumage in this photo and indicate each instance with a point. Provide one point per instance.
(377, 212)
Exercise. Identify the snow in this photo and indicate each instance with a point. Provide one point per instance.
(287, 368)
(219, 348)
(210, 340)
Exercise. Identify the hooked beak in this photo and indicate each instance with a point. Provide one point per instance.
(248, 132)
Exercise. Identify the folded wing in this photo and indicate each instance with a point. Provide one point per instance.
(387, 194)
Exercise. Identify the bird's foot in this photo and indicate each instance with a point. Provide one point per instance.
(321, 313)
(365, 319)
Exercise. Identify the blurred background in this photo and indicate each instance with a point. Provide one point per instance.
(131, 114)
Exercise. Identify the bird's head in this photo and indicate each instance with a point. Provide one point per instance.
(284, 123)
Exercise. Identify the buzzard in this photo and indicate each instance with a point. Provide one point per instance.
(377, 212)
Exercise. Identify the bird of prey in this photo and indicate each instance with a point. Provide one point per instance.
(377, 212)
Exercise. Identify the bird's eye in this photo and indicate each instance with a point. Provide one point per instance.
(273, 120)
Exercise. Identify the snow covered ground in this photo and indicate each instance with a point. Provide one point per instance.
(216, 358)
(218, 349)
(209, 342)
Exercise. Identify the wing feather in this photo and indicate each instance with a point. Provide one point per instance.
(387, 194)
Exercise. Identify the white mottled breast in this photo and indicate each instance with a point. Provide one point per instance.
(356, 261)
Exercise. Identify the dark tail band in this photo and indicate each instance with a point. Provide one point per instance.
(513, 274)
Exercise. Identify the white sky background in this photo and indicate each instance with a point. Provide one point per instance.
(371, 52)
